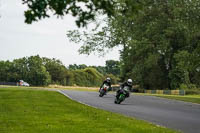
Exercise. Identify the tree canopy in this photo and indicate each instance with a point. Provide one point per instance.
(43, 71)
(83, 10)
(160, 39)
(160, 42)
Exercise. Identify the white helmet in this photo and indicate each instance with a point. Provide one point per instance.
(129, 81)
(108, 79)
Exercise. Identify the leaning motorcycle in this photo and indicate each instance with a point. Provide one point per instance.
(122, 96)
(103, 90)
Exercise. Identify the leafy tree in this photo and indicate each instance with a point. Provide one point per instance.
(28, 69)
(100, 69)
(37, 74)
(160, 41)
(83, 10)
(7, 72)
(70, 80)
(87, 77)
(75, 66)
(113, 67)
(20, 66)
(43, 71)
(163, 30)
(56, 69)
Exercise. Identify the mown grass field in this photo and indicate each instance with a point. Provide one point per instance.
(25, 110)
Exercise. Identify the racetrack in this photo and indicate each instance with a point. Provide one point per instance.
(169, 113)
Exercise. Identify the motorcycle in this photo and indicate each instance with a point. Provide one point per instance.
(103, 90)
(122, 96)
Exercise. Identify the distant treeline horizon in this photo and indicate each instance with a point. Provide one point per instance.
(42, 71)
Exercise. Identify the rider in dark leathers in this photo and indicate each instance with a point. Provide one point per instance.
(107, 82)
(128, 84)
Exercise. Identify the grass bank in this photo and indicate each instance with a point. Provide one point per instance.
(53, 87)
(25, 110)
(73, 88)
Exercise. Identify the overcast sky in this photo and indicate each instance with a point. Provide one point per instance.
(46, 38)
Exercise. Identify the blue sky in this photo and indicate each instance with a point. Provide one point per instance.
(46, 38)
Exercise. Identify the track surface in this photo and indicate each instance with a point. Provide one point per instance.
(169, 113)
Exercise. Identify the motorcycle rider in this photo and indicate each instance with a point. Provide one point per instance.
(106, 82)
(128, 84)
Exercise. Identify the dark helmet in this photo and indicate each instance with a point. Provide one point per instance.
(129, 81)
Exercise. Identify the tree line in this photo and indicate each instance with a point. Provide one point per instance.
(42, 71)
(160, 41)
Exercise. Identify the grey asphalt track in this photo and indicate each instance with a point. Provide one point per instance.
(173, 114)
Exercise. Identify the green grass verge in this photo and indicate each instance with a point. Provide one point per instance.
(74, 88)
(186, 98)
(52, 88)
(37, 111)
